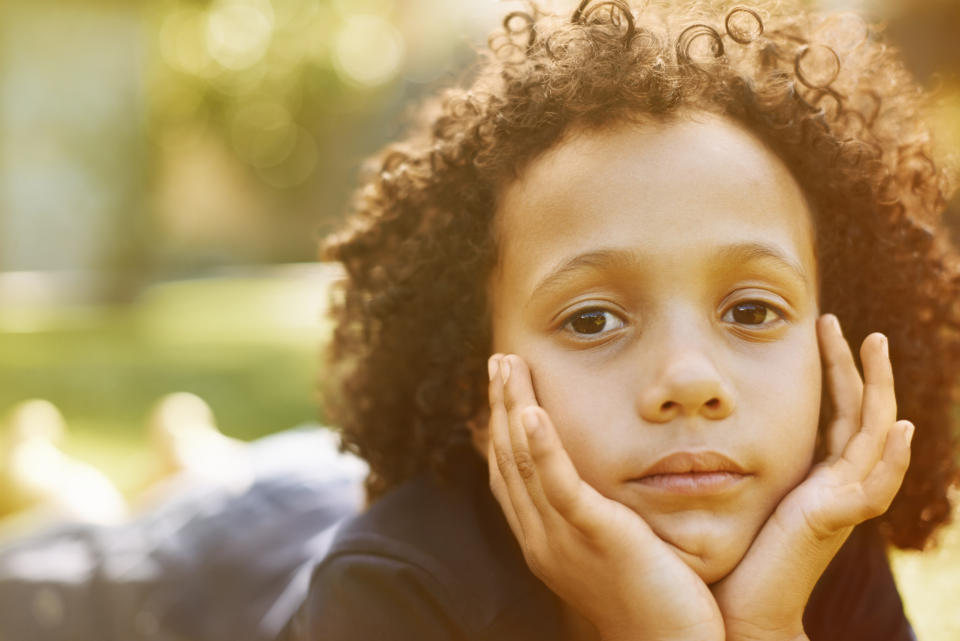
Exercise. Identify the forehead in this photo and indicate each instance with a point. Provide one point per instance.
(667, 190)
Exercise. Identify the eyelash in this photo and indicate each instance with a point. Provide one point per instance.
(779, 313)
(606, 314)
(592, 311)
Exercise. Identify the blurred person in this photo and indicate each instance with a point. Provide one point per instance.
(203, 558)
(38, 478)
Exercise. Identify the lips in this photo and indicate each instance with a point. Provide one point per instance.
(693, 473)
(687, 462)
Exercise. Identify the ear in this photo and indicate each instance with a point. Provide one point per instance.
(479, 431)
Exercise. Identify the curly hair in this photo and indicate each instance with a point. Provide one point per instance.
(413, 330)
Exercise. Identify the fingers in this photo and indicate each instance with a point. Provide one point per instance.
(876, 456)
(885, 478)
(865, 409)
(878, 411)
(505, 481)
(869, 450)
(843, 381)
(499, 488)
(855, 502)
(537, 474)
(518, 396)
(562, 487)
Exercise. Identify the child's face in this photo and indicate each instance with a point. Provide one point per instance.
(660, 282)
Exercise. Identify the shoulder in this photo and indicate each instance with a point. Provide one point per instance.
(426, 561)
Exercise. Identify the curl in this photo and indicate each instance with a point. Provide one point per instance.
(816, 66)
(853, 153)
(620, 16)
(686, 55)
(393, 160)
(743, 25)
(852, 122)
(528, 27)
(505, 49)
(814, 103)
(870, 113)
(564, 45)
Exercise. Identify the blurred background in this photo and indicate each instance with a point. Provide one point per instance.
(167, 168)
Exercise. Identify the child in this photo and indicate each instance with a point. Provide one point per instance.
(657, 220)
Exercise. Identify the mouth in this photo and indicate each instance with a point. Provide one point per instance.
(693, 473)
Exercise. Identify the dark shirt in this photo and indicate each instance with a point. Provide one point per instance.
(431, 562)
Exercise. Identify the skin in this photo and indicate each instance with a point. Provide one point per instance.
(657, 295)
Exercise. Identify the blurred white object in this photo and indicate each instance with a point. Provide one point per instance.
(192, 451)
(36, 476)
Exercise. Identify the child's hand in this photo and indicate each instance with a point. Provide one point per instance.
(599, 556)
(867, 456)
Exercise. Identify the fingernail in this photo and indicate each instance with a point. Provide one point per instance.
(908, 433)
(492, 363)
(836, 324)
(886, 345)
(504, 369)
(531, 422)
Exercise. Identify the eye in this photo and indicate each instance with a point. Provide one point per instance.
(752, 312)
(593, 321)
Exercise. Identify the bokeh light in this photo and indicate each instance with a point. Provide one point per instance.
(368, 50)
(238, 32)
(181, 42)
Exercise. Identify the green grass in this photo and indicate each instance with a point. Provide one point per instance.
(249, 347)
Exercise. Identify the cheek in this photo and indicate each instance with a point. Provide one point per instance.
(586, 408)
(790, 406)
(809, 383)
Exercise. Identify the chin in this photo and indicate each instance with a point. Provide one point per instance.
(711, 544)
(710, 568)
(709, 549)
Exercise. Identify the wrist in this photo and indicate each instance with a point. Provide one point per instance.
(647, 635)
(791, 634)
(697, 633)
(786, 637)
(740, 630)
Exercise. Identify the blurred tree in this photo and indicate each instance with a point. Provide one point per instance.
(156, 139)
(286, 96)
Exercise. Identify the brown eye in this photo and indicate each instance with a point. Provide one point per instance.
(593, 322)
(750, 313)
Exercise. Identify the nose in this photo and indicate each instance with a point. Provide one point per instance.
(687, 384)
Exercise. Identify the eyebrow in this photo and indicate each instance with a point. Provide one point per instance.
(614, 258)
(597, 260)
(750, 251)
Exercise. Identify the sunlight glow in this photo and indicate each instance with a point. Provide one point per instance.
(368, 50)
(238, 32)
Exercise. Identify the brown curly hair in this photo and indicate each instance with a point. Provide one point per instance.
(409, 352)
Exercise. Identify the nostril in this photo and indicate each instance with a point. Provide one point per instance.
(713, 403)
(667, 405)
